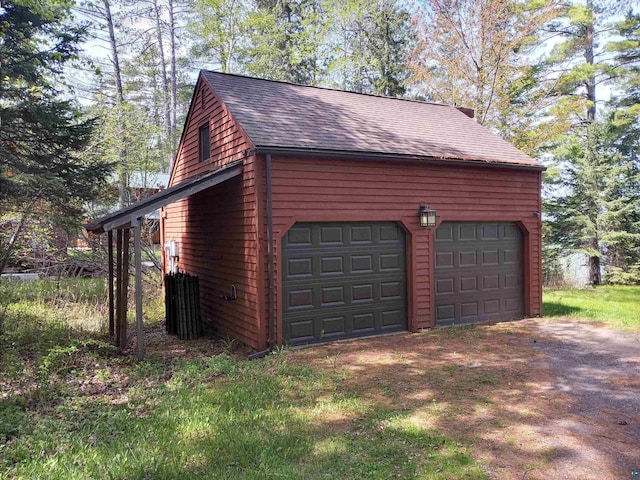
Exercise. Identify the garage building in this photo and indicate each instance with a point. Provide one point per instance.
(343, 215)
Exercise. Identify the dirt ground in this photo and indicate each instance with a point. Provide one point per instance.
(599, 369)
(538, 399)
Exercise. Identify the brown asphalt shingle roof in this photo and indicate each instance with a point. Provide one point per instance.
(283, 115)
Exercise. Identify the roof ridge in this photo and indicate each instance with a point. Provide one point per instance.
(404, 99)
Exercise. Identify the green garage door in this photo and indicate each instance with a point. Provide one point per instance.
(478, 273)
(342, 280)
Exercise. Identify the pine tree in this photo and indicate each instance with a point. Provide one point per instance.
(627, 100)
(370, 45)
(43, 168)
(286, 41)
(625, 257)
(599, 198)
(598, 216)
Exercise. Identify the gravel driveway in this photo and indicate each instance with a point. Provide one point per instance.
(599, 369)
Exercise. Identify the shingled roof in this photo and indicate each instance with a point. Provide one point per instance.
(280, 115)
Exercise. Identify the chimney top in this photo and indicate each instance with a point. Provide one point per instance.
(469, 112)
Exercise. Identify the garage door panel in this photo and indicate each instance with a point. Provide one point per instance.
(512, 304)
(362, 293)
(390, 233)
(467, 231)
(490, 282)
(363, 322)
(445, 312)
(334, 269)
(510, 257)
(490, 258)
(299, 299)
(489, 231)
(331, 235)
(361, 234)
(468, 284)
(457, 284)
(350, 280)
(444, 259)
(491, 307)
(331, 265)
(362, 263)
(302, 329)
(469, 310)
(390, 262)
(346, 323)
(511, 232)
(445, 286)
(445, 232)
(334, 325)
(512, 281)
(332, 296)
(467, 258)
(485, 280)
(391, 290)
(391, 318)
(462, 312)
(299, 235)
(299, 267)
(346, 281)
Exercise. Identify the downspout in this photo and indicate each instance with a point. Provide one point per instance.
(271, 273)
(270, 255)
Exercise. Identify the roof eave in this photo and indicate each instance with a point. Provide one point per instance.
(363, 155)
(127, 215)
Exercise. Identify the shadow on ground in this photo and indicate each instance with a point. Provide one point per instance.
(551, 309)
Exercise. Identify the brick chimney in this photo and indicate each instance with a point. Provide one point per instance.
(469, 112)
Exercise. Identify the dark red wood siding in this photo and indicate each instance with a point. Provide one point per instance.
(314, 190)
(217, 229)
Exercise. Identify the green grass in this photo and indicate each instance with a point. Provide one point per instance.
(256, 420)
(616, 306)
(72, 408)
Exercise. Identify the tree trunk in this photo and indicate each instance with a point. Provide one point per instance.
(163, 69)
(594, 261)
(590, 60)
(163, 74)
(114, 50)
(594, 271)
(122, 170)
(174, 80)
(13, 240)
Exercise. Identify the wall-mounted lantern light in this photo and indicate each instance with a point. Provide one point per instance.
(427, 216)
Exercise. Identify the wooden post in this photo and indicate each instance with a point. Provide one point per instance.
(138, 261)
(118, 306)
(122, 332)
(110, 280)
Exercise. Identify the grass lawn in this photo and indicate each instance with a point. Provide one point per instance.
(616, 306)
(73, 408)
(438, 405)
